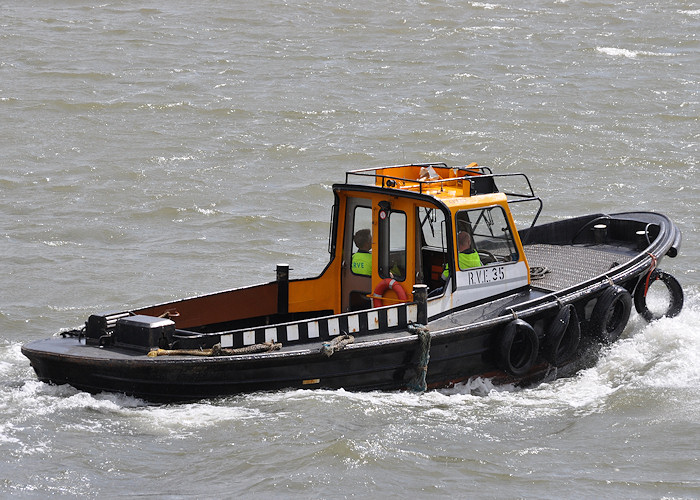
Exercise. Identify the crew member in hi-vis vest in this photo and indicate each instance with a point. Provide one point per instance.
(468, 257)
(362, 259)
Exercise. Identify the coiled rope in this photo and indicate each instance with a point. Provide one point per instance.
(538, 272)
(337, 344)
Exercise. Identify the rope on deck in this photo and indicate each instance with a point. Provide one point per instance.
(217, 350)
(538, 272)
(418, 382)
(337, 344)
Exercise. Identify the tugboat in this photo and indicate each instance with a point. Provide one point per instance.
(429, 283)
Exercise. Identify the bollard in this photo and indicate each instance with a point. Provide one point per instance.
(600, 233)
(420, 297)
(282, 288)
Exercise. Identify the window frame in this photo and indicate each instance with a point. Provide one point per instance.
(505, 236)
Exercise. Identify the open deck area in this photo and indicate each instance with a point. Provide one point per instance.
(568, 265)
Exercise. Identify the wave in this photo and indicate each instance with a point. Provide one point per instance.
(631, 54)
(487, 6)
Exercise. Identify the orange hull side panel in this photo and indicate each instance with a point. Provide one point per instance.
(231, 305)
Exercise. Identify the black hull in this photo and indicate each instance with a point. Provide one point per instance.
(383, 365)
(456, 355)
(362, 366)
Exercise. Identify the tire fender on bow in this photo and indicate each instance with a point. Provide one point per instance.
(562, 336)
(675, 295)
(610, 314)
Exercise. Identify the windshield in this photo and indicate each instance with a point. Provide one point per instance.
(490, 233)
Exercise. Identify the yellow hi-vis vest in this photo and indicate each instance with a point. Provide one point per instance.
(466, 260)
(362, 263)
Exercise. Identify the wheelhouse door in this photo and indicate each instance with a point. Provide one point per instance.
(356, 270)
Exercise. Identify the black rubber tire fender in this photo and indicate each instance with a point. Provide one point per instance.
(562, 336)
(674, 289)
(610, 314)
(518, 347)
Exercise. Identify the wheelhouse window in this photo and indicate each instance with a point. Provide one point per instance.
(432, 222)
(362, 241)
(432, 230)
(489, 235)
(392, 241)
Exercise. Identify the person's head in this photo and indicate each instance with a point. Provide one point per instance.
(363, 239)
(464, 241)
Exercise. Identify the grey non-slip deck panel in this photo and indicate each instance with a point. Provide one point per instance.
(568, 265)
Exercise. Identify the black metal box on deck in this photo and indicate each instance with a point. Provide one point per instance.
(143, 332)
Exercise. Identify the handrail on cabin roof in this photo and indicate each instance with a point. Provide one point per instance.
(374, 173)
(472, 172)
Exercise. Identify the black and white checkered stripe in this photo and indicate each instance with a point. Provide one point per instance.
(369, 321)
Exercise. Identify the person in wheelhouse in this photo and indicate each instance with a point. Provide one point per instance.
(468, 257)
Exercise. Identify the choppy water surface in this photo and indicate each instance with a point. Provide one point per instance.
(151, 152)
